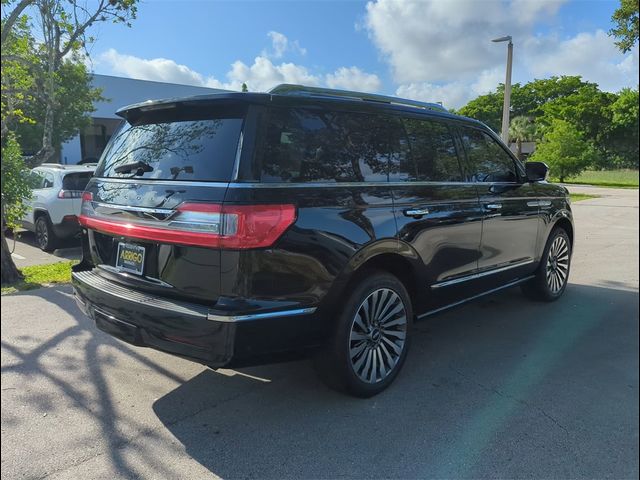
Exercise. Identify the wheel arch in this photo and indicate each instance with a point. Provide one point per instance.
(563, 220)
(39, 212)
(387, 255)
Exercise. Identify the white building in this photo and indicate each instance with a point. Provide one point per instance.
(88, 146)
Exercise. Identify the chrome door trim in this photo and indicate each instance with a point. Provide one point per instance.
(475, 297)
(475, 276)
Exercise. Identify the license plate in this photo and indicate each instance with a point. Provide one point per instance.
(130, 258)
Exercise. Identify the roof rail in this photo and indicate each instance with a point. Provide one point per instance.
(52, 165)
(291, 89)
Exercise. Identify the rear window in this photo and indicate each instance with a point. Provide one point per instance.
(201, 149)
(313, 145)
(76, 181)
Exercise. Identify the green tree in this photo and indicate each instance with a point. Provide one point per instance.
(63, 27)
(530, 98)
(245, 89)
(589, 111)
(625, 19)
(564, 149)
(623, 136)
(18, 59)
(527, 100)
(486, 108)
(75, 100)
(44, 83)
(521, 129)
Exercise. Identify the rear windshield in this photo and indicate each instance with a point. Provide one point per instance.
(202, 149)
(76, 181)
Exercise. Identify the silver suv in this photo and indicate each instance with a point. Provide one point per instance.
(53, 209)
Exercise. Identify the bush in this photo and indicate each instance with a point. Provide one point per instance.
(15, 182)
(564, 149)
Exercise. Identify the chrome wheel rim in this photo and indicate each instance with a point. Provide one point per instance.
(378, 335)
(558, 264)
(42, 235)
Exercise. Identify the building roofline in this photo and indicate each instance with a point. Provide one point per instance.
(158, 82)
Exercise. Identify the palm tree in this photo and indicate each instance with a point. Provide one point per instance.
(522, 129)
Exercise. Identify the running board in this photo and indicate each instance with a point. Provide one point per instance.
(475, 297)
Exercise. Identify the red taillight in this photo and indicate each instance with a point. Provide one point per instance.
(87, 196)
(204, 224)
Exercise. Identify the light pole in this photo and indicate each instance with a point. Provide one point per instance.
(507, 89)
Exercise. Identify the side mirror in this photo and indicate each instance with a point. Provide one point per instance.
(536, 171)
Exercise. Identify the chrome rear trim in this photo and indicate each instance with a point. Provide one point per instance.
(261, 316)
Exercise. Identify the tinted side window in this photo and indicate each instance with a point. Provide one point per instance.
(47, 182)
(488, 162)
(308, 145)
(433, 151)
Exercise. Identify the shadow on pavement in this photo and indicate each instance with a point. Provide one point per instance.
(500, 388)
(78, 376)
(503, 387)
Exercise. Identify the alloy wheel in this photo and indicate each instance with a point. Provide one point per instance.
(558, 264)
(42, 234)
(378, 335)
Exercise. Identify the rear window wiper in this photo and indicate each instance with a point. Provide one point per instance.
(139, 166)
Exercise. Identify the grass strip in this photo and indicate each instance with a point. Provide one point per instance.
(37, 276)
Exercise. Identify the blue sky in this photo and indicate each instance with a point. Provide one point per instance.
(430, 50)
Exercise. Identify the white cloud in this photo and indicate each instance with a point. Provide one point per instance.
(452, 94)
(261, 75)
(442, 41)
(280, 45)
(264, 74)
(591, 55)
(435, 49)
(353, 78)
(158, 69)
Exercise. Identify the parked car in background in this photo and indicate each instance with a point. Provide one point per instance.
(236, 228)
(52, 212)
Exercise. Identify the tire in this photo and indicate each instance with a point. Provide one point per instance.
(552, 275)
(371, 337)
(45, 238)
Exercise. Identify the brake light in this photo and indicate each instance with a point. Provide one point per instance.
(202, 224)
(69, 194)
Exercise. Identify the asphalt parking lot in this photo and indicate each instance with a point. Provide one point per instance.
(500, 388)
(25, 250)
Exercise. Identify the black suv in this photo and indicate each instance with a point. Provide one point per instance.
(239, 228)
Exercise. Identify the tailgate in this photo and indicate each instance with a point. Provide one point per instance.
(129, 242)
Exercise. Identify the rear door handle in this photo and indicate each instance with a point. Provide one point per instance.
(416, 212)
(493, 206)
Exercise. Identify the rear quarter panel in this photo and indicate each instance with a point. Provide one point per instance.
(333, 225)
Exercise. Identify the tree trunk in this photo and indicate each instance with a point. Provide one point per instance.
(519, 147)
(10, 273)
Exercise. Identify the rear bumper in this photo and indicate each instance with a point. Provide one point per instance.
(68, 227)
(194, 331)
